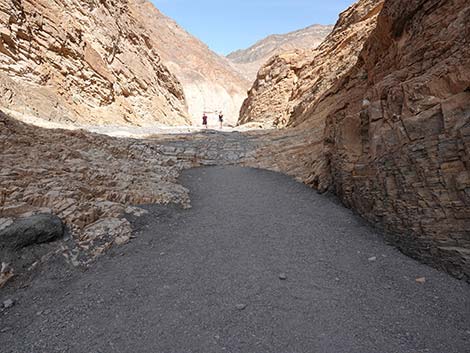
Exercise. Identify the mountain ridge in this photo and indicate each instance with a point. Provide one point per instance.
(248, 61)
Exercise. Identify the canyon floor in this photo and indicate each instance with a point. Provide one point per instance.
(260, 263)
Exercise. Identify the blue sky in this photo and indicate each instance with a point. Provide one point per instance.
(229, 25)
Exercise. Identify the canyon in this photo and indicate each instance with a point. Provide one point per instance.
(377, 114)
(335, 215)
(119, 63)
(382, 106)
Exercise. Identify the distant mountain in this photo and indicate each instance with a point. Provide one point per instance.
(249, 61)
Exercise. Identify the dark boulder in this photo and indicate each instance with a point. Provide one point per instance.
(37, 229)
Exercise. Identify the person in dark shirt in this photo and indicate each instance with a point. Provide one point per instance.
(221, 120)
(204, 120)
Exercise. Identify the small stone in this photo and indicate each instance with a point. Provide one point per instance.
(241, 307)
(122, 240)
(373, 258)
(283, 277)
(421, 280)
(8, 303)
(5, 329)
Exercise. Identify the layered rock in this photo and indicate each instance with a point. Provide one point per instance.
(390, 133)
(91, 181)
(209, 81)
(291, 81)
(87, 180)
(249, 61)
(398, 141)
(84, 61)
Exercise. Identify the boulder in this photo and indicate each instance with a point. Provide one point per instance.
(37, 229)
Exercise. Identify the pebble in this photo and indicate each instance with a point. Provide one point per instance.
(5, 329)
(282, 276)
(8, 303)
(421, 280)
(373, 258)
(241, 307)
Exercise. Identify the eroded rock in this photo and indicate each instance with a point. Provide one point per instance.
(386, 126)
(97, 65)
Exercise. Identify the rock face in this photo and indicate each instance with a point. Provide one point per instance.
(89, 62)
(249, 61)
(390, 131)
(209, 81)
(398, 142)
(290, 81)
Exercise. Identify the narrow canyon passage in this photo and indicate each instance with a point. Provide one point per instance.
(260, 263)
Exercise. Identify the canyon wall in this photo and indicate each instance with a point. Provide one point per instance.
(398, 142)
(209, 81)
(290, 81)
(85, 62)
(391, 134)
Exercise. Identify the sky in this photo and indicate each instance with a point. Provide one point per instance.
(228, 25)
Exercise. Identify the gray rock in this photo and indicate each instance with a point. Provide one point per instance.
(283, 277)
(37, 229)
(8, 303)
(240, 307)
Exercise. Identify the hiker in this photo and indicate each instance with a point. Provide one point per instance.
(204, 120)
(221, 119)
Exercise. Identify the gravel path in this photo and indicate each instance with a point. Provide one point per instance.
(259, 264)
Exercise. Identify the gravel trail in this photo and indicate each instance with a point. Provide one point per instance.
(260, 263)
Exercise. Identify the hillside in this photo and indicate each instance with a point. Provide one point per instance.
(249, 61)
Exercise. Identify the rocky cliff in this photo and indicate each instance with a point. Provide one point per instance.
(209, 81)
(389, 131)
(398, 141)
(249, 61)
(290, 80)
(85, 61)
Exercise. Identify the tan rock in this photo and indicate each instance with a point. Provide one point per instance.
(210, 83)
(93, 66)
(292, 82)
(381, 118)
